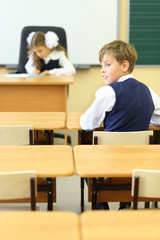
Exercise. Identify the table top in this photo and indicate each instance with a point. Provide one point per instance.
(44, 80)
(117, 225)
(46, 160)
(39, 225)
(73, 122)
(154, 127)
(39, 120)
(115, 160)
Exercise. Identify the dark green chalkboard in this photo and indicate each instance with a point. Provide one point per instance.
(144, 30)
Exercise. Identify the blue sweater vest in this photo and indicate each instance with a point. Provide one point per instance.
(133, 108)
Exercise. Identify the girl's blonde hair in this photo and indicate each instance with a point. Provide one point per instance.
(121, 51)
(38, 40)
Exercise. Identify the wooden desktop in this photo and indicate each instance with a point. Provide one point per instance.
(116, 225)
(39, 225)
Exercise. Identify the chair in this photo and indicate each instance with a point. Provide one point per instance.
(122, 138)
(23, 55)
(23, 45)
(16, 135)
(19, 185)
(23, 135)
(145, 183)
(117, 138)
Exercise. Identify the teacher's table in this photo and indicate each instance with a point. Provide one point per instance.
(39, 120)
(85, 137)
(113, 161)
(39, 225)
(48, 162)
(34, 94)
(118, 225)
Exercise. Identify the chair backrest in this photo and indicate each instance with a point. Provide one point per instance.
(16, 135)
(121, 138)
(18, 185)
(145, 183)
(23, 55)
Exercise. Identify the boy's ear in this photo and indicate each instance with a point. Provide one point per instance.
(125, 66)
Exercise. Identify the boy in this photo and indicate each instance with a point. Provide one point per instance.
(125, 104)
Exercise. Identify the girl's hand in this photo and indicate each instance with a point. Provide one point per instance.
(46, 72)
(36, 71)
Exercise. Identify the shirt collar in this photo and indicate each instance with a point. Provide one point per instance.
(54, 55)
(121, 79)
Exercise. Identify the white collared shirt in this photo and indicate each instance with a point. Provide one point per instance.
(66, 68)
(104, 102)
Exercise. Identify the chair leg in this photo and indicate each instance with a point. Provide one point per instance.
(146, 205)
(82, 194)
(135, 196)
(50, 193)
(33, 197)
(94, 193)
(95, 140)
(154, 204)
(31, 136)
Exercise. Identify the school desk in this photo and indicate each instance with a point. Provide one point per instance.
(49, 161)
(118, 225)
(73, 123)
(39, 225)
(113, 161)
(49, 121)
(34, 94)
(85, 137)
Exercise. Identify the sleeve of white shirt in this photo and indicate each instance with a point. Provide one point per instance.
(67, 67)
(30, 65)
(156, 114)
(94, 116)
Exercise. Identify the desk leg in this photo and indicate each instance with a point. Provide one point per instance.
(94, 193)
(50, 193)
(82, 194)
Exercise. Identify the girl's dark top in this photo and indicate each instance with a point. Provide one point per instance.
(50, 65)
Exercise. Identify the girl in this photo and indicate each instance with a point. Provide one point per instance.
(46, 56)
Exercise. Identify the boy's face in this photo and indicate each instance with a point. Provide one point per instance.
(112, 70)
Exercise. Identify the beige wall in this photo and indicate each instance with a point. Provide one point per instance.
(81, 94)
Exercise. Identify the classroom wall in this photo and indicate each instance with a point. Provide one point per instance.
(82, 93)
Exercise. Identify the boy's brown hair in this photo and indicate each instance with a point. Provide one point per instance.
(121, 51)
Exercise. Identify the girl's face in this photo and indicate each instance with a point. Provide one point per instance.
(42, 51)
(112, 70)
